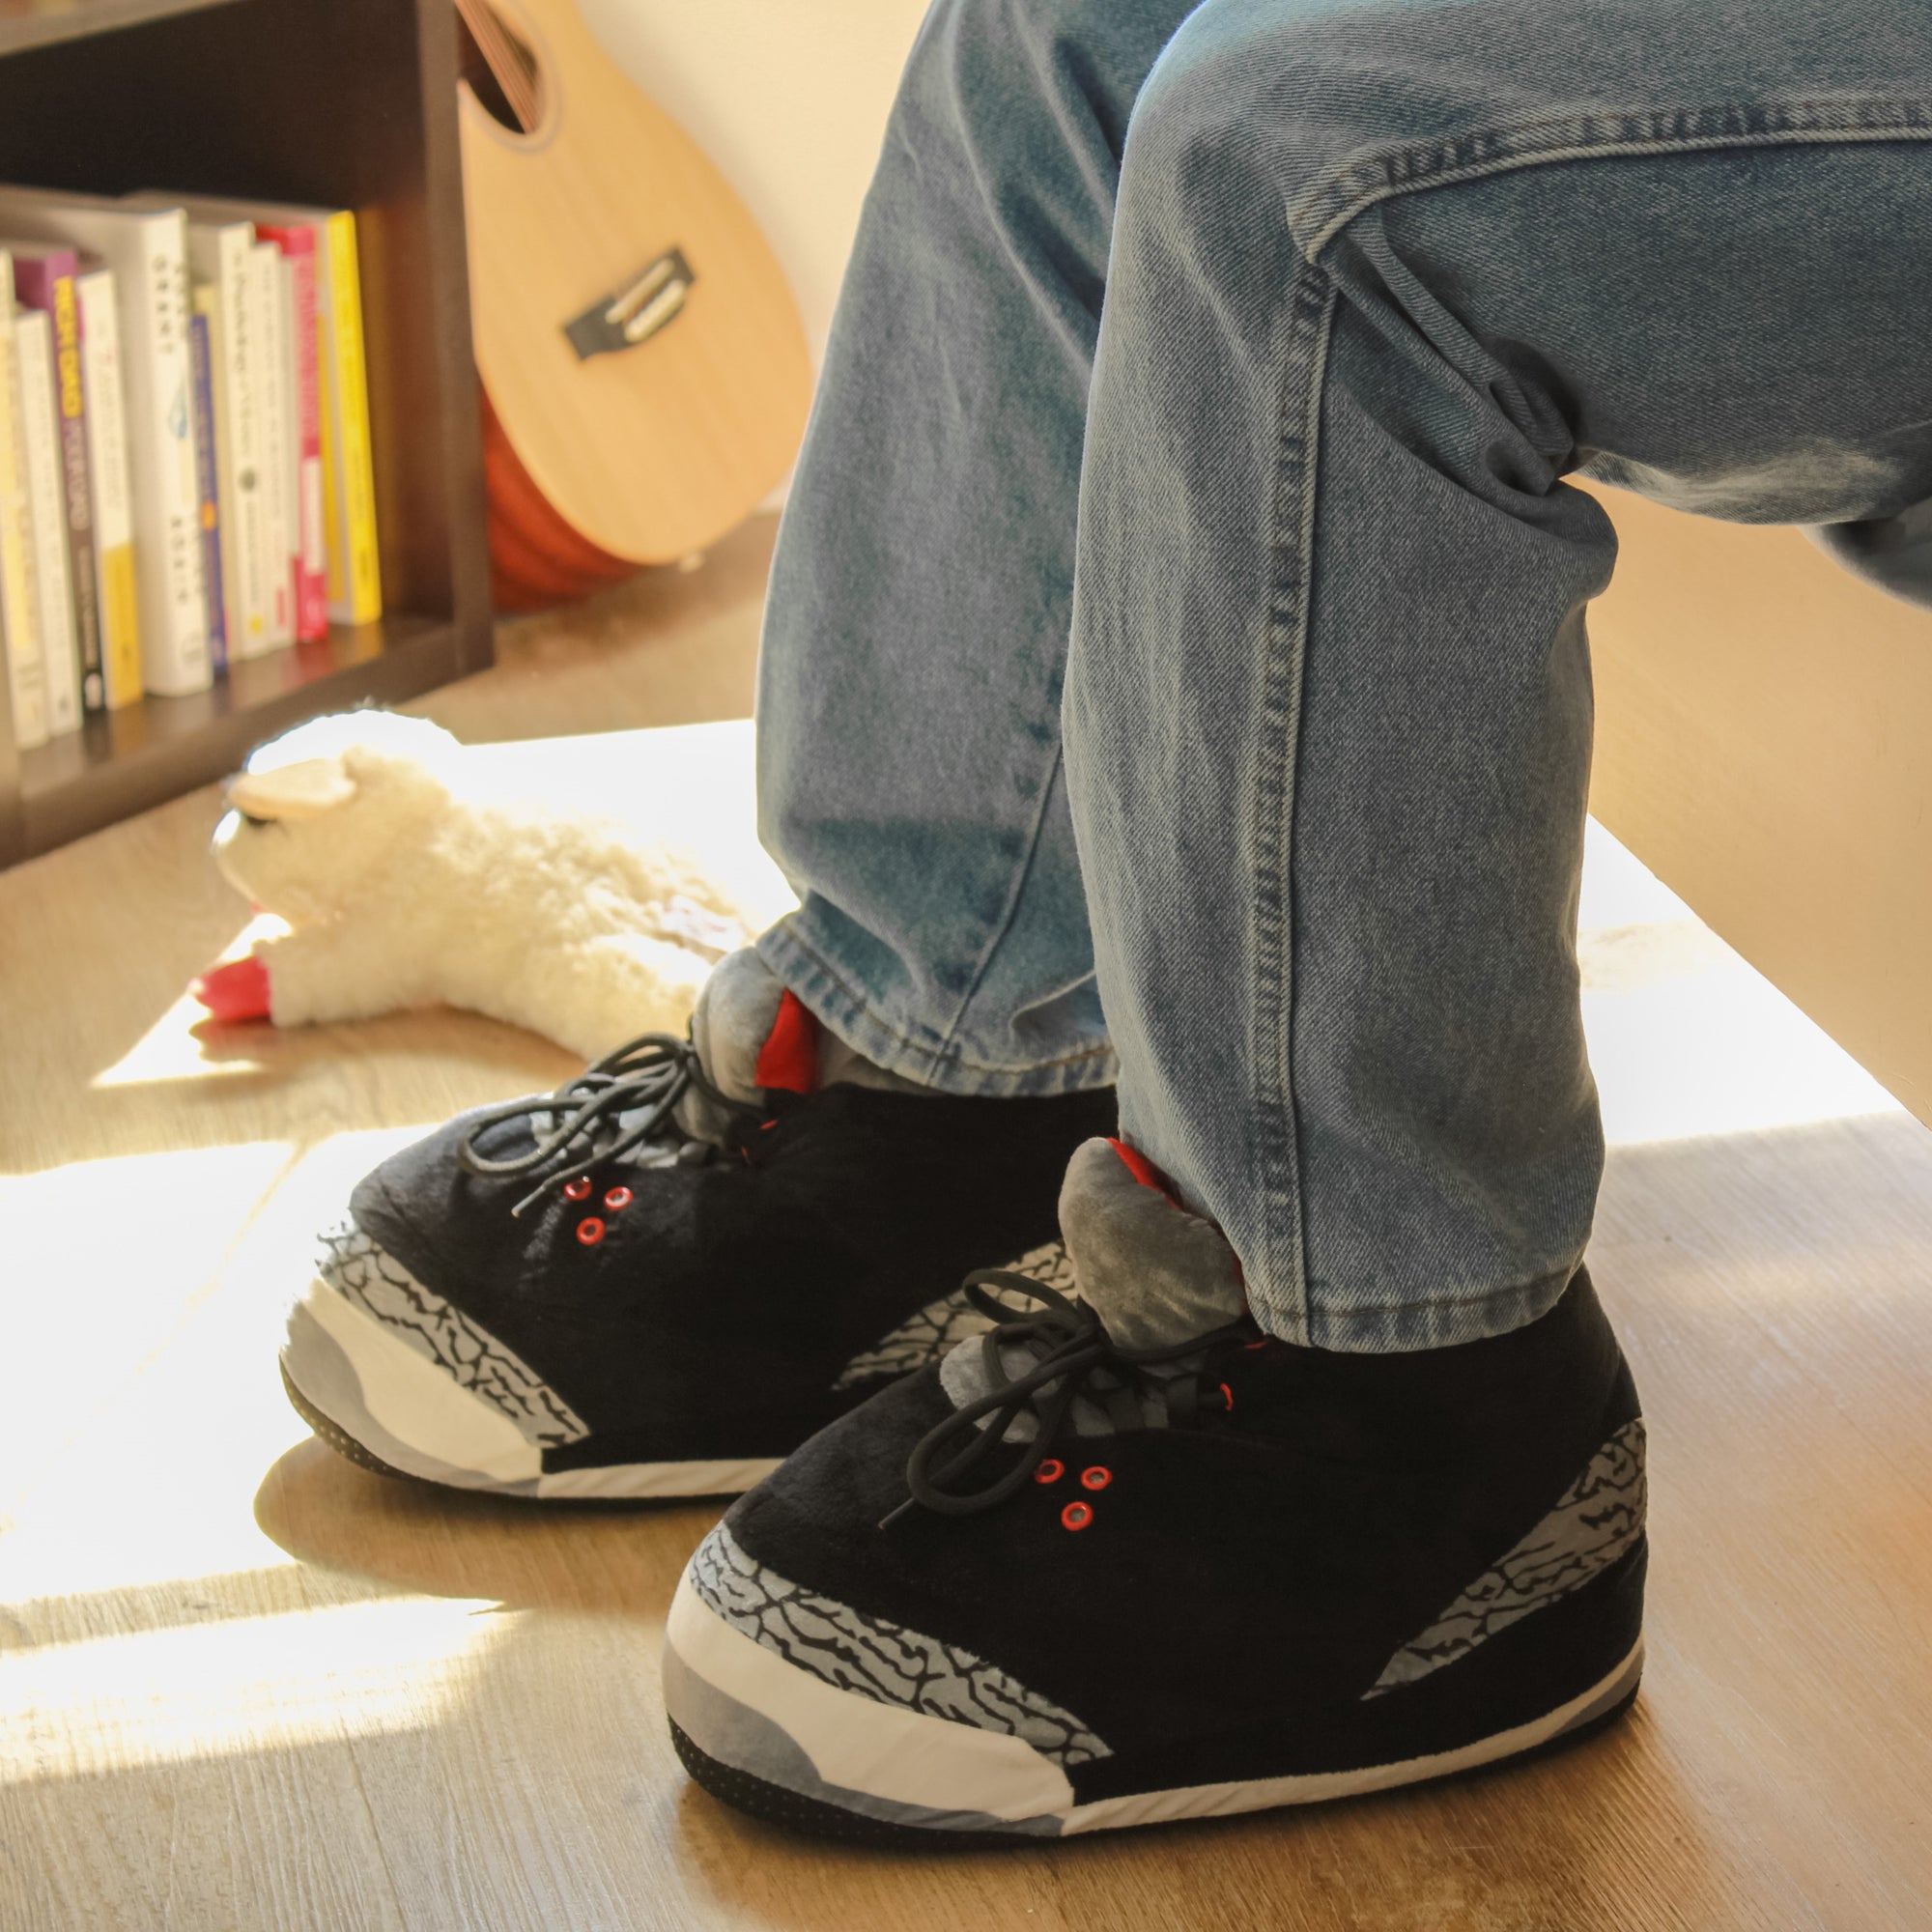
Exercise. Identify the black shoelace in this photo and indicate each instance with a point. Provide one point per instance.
(647, 1076)
(1077, 1358)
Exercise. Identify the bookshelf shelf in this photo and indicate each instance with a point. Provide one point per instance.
(39, 23)
(347, 103)
(122, 763)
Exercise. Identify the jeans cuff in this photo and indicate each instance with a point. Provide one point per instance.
(1399, 1328)
(951, 1068)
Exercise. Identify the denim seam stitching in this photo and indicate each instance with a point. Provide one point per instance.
(1277, 1173)
(788, 934)
(1474, 1298)
(1004, 924)
(1328, 207)
(1421, 1324)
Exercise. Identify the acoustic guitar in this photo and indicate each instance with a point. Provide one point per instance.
(644, 370)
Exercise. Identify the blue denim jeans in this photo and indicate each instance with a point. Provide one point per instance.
(1174, 666)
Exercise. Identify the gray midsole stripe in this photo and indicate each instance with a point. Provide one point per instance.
(1621, 1686)
(747, 1741)
(318, 1365)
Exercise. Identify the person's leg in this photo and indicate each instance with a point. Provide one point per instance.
(1382, 275)
(662, 1278)
(909, 770)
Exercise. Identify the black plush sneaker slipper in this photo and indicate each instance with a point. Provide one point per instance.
(662, 1278)
(1076, 1578)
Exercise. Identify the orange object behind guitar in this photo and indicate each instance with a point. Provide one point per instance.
(536, 559)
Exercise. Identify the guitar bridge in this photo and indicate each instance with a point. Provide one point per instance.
(636, 312)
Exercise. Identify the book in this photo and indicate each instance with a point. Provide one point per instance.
(290, 471)
(219, 256)
(207, 475)
(352, 554)
(271, 319)
(147, 251)
(95, 298)
(44, 278)
(355, 589)
(47, 503)
(304, 397)
(19, 600)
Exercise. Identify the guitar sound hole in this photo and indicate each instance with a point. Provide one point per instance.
(499, 66)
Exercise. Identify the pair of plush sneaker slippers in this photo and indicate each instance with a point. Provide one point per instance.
(1040, 1533)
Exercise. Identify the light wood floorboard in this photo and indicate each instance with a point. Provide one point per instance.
(243, 1684)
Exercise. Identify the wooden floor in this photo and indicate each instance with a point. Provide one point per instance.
(242, 1684)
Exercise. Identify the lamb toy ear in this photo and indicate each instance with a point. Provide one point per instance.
(304, 790)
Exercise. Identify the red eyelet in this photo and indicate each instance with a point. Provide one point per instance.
(591, 1231)
(1076, 1516)
(618, 1197)
(1227, 1397)
(577, 1189)
(1095, 1478)
(1049, 1471)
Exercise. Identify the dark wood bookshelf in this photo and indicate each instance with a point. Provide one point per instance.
(39, 23)
(349, 103)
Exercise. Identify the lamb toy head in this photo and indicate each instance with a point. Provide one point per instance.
(374, 837)
(320, 808)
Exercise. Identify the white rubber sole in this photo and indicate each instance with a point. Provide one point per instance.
(409, 1413)
(744, 1706)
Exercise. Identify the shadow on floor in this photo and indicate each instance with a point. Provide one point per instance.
(604, 1560)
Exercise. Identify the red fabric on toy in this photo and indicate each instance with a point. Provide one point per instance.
(238, 990)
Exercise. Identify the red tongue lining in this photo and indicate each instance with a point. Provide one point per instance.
(789, 1059)
(1141, 1168)
(1149, 1175)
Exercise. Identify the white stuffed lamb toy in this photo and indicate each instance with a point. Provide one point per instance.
(401, 891)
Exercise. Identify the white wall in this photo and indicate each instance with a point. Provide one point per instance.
(787, 97)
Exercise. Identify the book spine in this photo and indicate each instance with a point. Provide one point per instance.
(113, 506)
(18, 599)
(277, 454)
(77, 480)
(161, 447)
(287, 356)
(207, 487)
(238, 421)
(328, 383)
(354, 522)
(46, 496)
(311, 570)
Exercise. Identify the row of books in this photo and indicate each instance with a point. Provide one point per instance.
(184, 463)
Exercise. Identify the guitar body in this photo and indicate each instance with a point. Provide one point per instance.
(656, 448)
(536, 559)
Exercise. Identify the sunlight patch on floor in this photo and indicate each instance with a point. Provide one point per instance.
(172, 1049)
(1686, 1038)
(255, 1684)
(112, 1252)
(168, 1277)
